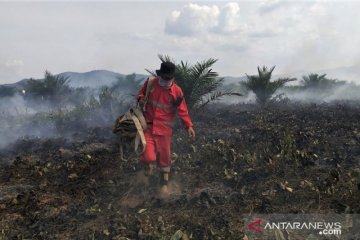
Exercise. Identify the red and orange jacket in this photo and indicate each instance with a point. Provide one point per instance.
(161, 107)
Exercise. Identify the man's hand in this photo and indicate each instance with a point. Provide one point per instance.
(141, 103)
(191, 133)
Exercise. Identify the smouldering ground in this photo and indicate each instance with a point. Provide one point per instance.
(284, 159)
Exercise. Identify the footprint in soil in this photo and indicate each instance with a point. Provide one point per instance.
(145, 190)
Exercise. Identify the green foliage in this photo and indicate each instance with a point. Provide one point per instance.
(291, 152)
(133, 83)
(53, 88)
(199, 82)
(313, 80)
(130, 84)
(262, 86)
(7, 91)
(293, 89)
(71, 119)
(105, 96)
(79, 95)
(320, 82)
(109, 99)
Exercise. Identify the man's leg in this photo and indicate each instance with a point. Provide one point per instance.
(148, 158)
(164, 160)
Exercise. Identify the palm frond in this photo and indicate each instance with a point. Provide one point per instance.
(217, 95)
(262, 86)
(196, 81)
(152, 73)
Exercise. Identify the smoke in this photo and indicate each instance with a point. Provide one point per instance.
(344, 92)
(14, 115)
(338, 91)
(13, 105)
(22, 126)
(26, 117)
(248, 97)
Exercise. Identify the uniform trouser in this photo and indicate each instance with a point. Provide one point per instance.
(157, 150)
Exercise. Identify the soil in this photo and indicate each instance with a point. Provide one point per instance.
(246, 159)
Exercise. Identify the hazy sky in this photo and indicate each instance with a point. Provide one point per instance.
(127, 36)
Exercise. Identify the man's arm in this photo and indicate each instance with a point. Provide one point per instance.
(183, 114)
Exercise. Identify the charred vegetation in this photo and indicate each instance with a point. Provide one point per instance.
(284, 158)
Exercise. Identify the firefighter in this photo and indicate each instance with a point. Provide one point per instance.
(165, 100)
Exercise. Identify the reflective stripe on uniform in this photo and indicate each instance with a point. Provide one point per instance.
(160, 105)
(171, 124)
(165, 169)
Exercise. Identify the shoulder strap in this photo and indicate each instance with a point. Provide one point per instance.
(140, 137)
(149, 87)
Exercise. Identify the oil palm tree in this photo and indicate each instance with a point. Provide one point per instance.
(52, 88)
(199, 82)
(126, 85)
(320, 82)
(314, 80)
(261, 85)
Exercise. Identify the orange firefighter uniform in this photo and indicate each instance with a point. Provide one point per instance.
(162, 106)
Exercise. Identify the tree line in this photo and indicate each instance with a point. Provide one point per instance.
(199, 82)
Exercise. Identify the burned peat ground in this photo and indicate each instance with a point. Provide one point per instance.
(283, 159)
